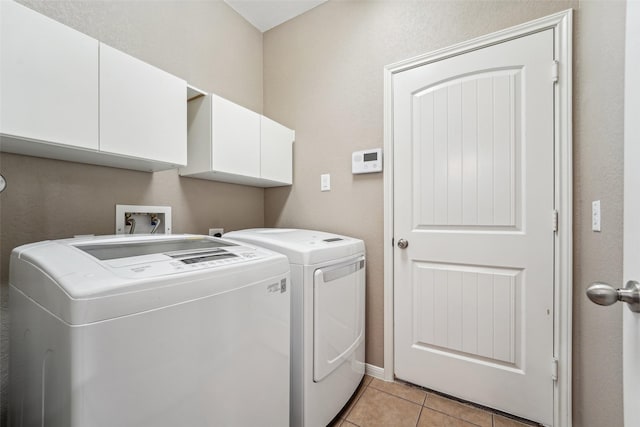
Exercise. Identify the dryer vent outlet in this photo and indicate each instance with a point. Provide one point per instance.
(134, 219)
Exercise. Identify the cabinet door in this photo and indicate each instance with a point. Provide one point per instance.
(236, 138)
(49, 79)
(143, 110)
(275, 151)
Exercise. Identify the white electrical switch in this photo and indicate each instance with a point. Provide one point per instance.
(595, 215)
(325, 182)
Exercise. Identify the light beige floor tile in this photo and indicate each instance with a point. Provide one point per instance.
(367, 379)
(404, 391)
(459, 410)
(431, 418)
(378, 409)
(358, 393)
(361, 388)
(348, 424)
(345, 411)
(500, 421)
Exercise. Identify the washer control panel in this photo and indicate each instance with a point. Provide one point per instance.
(144, 258)
(158, 265)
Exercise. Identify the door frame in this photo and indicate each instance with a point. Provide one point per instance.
(630, 372)
(561, 23)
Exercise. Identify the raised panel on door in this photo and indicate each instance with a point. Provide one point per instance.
(236, 138)
(276, 154)
(49, 79)
(473, 312)
(468, 156)
(474, 196)
(143, 110)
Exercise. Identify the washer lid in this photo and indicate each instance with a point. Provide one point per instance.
(305, 247)
(98, 278)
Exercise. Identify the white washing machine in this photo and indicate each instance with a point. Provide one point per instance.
(140, 331)
(327, 317)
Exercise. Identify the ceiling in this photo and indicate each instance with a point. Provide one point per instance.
(266, 14)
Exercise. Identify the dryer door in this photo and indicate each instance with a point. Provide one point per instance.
(338, 314)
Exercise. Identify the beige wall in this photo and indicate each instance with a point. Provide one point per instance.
(206, 43)
(598, 175)
(323, 77)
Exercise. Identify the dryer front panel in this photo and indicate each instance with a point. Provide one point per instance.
(338, 314)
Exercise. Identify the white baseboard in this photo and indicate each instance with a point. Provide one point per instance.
(374, 371)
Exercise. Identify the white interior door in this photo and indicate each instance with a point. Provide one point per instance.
(474, 199)
(631, 320)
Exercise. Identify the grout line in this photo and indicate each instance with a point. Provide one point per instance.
(399, 397)
(405, 384)
(492, 412)
(456, 417)
(522, 421)
(419, 416)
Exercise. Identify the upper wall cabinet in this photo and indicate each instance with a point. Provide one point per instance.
(230, 143)
(143, 110)
(239, 128)
(66, 96)
(276, 156)
(49, 79)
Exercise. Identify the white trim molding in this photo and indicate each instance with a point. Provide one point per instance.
(561, 23)
(374, 371)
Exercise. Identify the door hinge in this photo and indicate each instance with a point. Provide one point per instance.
(554, 221)
(554, 369)
(554, 71)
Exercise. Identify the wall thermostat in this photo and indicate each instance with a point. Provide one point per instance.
(366, 161)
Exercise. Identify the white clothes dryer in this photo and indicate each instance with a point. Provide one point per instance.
(158, 330)
(327, 317)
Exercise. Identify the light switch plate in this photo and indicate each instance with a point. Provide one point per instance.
(595, 215)
(325, 182)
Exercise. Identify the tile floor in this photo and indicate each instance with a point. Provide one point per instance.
(378, 403)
